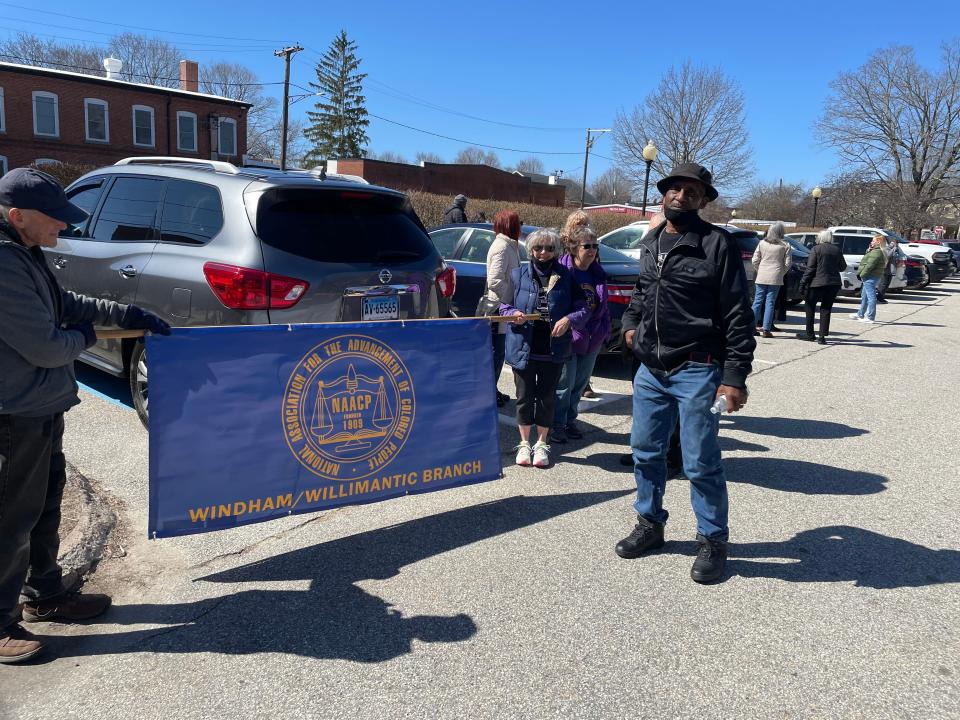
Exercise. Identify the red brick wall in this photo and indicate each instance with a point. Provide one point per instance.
(22, 147)
(474, 181)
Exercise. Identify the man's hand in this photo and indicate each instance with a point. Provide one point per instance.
(628, 338)
(561, 327)
(89, 334)
(518, 317)
(136, 318)
(736, 397)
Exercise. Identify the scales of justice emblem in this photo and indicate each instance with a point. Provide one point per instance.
(348, 407)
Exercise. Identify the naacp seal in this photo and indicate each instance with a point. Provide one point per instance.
(348, 407)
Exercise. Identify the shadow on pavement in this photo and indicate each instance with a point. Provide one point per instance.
(883, 344)
(333, 618)
(790, 427)
(800, 476)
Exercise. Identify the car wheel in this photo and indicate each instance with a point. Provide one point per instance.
(138, 382)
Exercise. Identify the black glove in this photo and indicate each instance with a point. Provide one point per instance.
(136, 318)
(803, 290)
(89, 334)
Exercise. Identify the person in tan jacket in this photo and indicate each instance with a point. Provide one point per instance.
(502, 259)
(771, 260)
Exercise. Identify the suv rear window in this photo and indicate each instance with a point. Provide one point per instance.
(342, 226)
(747, 241)
(853, 244)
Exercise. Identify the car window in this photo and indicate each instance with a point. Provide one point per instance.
(624, 238)
(478, 246)
(853, 244)
(85, 197)
(192, 213)
(747, 241)
(446, 241)
(798, 247)
(129, 212)
(342, 226)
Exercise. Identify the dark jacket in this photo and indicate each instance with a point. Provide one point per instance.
(564, 298)
(454, 214)
(695, 308)
(824, 266)
(597, 328)
(36, 352)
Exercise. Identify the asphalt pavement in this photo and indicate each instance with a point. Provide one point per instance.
(506, 600)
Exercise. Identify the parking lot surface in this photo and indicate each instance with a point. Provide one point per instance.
(506, 600)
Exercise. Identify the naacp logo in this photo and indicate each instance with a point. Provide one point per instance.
(348, 407)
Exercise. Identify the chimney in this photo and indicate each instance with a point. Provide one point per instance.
(113, 67)
(189, 72)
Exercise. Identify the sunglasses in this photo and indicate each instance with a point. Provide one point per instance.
(589, 246)
(541, 248)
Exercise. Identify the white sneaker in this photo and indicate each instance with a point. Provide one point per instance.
(541, 455)
(867, 321)
(854, 316)
(524, 454)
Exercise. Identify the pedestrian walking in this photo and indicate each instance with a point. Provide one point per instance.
(537, 349)
(820, 283)
(771, 260)
(503, 258)
(43, 329)
(581, 259)
(870, 272)
(456, 213)
(689, 323)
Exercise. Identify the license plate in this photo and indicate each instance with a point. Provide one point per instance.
(381, 308)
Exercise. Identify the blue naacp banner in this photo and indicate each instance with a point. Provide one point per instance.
(251, 423)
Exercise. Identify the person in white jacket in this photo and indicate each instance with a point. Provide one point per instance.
(771, 260)
(502, 258)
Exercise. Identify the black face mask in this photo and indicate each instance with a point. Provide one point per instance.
(680, 218)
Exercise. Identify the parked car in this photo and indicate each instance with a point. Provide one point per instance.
(203, 242)
(936, 257)
(465, 246)
(807, 239)
(916, 274)
(627, 238)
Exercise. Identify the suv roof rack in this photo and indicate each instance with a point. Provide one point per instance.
(218, 165)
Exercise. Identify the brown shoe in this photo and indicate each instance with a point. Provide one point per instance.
(70, 606)
(767, 334)
(17, 645)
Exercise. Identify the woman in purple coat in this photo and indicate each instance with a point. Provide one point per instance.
(582, 260)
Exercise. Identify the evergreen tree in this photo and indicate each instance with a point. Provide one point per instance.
(337, 126)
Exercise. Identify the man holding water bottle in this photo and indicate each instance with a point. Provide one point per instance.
(690, 325)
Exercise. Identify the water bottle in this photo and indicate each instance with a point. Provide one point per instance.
(719, 406)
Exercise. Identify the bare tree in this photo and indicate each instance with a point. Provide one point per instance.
(431, 157)
(899, 124)
(241, 83)
(147, 60)
(29, 49)
(387, 156)
(695, 115)
(773, 201)
(614, 186)
(531, 164)
(473, 155)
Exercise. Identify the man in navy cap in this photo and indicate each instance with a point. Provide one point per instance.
(689, 323)
(43, 329)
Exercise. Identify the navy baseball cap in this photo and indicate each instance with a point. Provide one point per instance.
(30, 189)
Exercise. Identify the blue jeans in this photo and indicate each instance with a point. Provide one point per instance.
(657, 400)
(765, 297)
(574, 378)
(868, 299)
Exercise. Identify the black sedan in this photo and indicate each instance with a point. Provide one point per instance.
(465, 247)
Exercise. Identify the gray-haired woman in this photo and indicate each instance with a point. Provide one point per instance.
(771, 260)
(820, 284)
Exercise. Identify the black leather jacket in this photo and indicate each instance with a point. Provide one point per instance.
(694, 308)
(824, 266)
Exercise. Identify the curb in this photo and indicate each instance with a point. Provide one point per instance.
(84, 545)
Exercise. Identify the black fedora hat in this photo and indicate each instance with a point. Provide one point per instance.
(690, 171)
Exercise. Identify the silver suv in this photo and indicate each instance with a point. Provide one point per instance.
(206, 243)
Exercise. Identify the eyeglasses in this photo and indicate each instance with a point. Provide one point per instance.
(541, 248)
(589, 246)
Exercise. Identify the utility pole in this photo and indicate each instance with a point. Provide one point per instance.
(586, 159)
(286, 54)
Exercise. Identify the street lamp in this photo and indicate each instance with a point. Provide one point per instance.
(733, 215)
(816, 193)
(649, 155)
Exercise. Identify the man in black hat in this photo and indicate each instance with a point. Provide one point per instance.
(456, 213)
(42, 331)
(690, 324)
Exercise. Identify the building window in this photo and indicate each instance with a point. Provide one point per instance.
(186, 131)
(143, 126)
(97, 119)
(228, 137)
(3, 165)
(3, 122)
(46, 114)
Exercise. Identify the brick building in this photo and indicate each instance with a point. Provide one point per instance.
(59, 116)
(474, 181)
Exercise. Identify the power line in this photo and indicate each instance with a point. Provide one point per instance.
(109, 34)
(138, 27)
(184, 46)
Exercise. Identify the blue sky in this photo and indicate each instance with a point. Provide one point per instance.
(562, 66)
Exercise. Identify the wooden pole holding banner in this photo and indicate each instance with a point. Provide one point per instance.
(118, 334)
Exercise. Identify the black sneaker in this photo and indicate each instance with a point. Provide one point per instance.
(821, 341)
(805, 336)
(557, 436)
(711, 560)
(573, 430)
(645, 536)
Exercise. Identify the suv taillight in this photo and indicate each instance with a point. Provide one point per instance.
(447, 282)
(620, 294)
(241, 288)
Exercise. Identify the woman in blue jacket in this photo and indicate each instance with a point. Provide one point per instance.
(537, 349)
